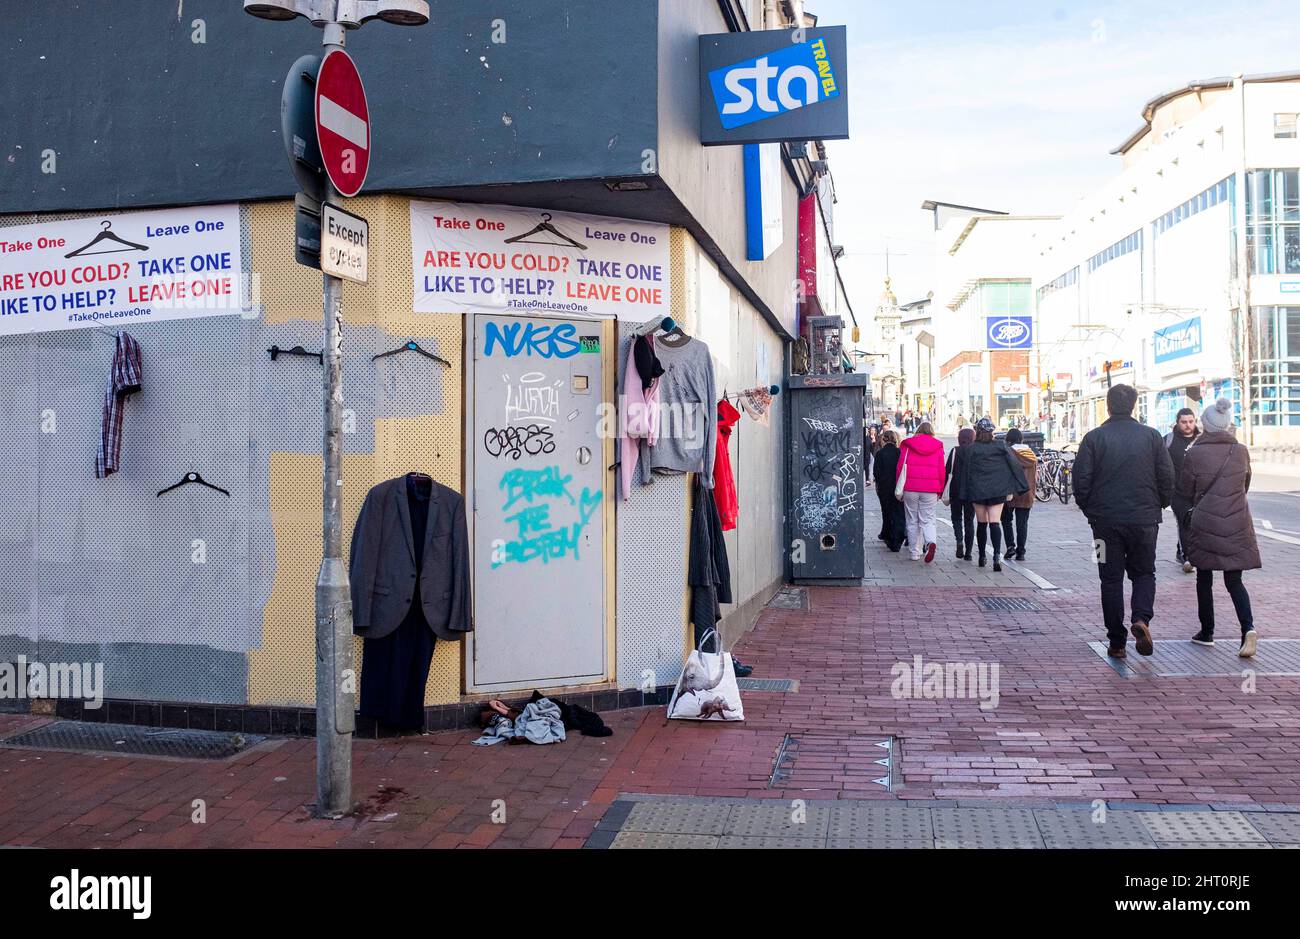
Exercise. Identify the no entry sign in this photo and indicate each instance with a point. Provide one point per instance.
(342, 122)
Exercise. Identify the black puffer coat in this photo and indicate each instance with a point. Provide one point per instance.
(990, 472)
(1222, 534)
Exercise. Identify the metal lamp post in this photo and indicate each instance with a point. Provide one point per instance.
(335, 675)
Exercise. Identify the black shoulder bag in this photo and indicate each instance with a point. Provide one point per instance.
(1187, 516)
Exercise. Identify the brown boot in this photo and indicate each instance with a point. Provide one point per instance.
(1142, 638)
(1117, 652)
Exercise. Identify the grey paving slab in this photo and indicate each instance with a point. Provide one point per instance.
(1200, 827)
(736, 841)
(660, 840)
(860, 821)
(678, 818)
(1276, 827)
(986, 828)
(874, 844)
(777, 820)
(1076, 828)
(1226, 845)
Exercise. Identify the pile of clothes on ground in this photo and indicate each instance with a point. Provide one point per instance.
(540, 721)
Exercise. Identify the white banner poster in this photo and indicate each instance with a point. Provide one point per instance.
(502, 259)
(115, 270)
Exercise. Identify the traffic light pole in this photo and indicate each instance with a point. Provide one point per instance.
(335, 670)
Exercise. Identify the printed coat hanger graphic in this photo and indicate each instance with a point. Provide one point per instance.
(276, 352)
(106, 236)
(193, 477)
(411, 346)
(545, 226)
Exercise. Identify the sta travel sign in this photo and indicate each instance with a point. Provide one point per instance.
(1009, 332)
(1178, 340)
(774, 85)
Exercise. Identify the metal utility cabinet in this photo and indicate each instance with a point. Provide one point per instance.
(827, 487)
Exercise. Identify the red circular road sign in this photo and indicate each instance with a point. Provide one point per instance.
(342, 122)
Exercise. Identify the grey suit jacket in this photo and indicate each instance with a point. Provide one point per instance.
(381, 564)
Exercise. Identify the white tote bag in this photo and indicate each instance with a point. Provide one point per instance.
(902, 478)
(707, 689)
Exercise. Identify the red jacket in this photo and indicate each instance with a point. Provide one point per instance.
(724, 484)
(924, 460)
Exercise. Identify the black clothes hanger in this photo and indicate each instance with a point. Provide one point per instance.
(193, 477)
(276, 352)
(411, 346)
(545, 226)
(106, 235)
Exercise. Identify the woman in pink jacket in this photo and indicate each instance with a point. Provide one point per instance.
(922, 454)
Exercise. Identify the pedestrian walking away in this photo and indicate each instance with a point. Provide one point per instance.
(1219, 533)
(1015, 517)
(922, 455)
(893, 526)
(963, 512)
(1123, 481)
(991, 477)
(1178, 439)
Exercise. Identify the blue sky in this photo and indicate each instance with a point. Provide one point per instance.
(1011, 106)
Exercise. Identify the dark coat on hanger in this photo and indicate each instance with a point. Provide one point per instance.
(708, 570)
(381, 564)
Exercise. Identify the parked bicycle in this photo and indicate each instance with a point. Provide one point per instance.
(1053, 476)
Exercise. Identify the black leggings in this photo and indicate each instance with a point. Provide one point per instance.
(1236, 590)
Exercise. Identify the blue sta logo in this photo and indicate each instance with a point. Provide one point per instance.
(772, 84)
(1008, 332)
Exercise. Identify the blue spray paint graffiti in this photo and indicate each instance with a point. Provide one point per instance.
(545, 340)
(536, 536)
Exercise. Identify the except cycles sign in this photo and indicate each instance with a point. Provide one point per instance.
(1009, 332)
(774, 85)
(344, 244)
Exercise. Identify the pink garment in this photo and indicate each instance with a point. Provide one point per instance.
(640, 418)
(925, 470)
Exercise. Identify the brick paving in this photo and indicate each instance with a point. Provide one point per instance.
(1067, 728)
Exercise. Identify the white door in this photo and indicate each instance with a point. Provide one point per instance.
(538, 503)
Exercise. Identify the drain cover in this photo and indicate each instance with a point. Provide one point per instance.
(1008, 605)
(788, 685)
(790, 598)
(1178, 658)
(128, 738)
(809, 761)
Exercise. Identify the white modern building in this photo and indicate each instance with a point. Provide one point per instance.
(1182, 275)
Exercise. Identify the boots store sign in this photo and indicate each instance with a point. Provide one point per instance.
(774, 85)
(116, 270)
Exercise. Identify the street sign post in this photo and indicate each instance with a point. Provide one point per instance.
(342, 122)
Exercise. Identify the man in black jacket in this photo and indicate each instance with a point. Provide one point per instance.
(1123, 480)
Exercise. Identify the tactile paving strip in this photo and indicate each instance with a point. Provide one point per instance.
(871, 826)
(778, 820)
(1278, 827)
(1179, 658)
(986, 828)
(1078, 829)
(648, 839)
(128, 738)
(678, 818)
(1201, 827)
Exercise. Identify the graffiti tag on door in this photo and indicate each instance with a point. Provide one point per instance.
(530, 494)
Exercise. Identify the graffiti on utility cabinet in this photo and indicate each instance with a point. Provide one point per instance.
(530, 495)
(832, 456)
